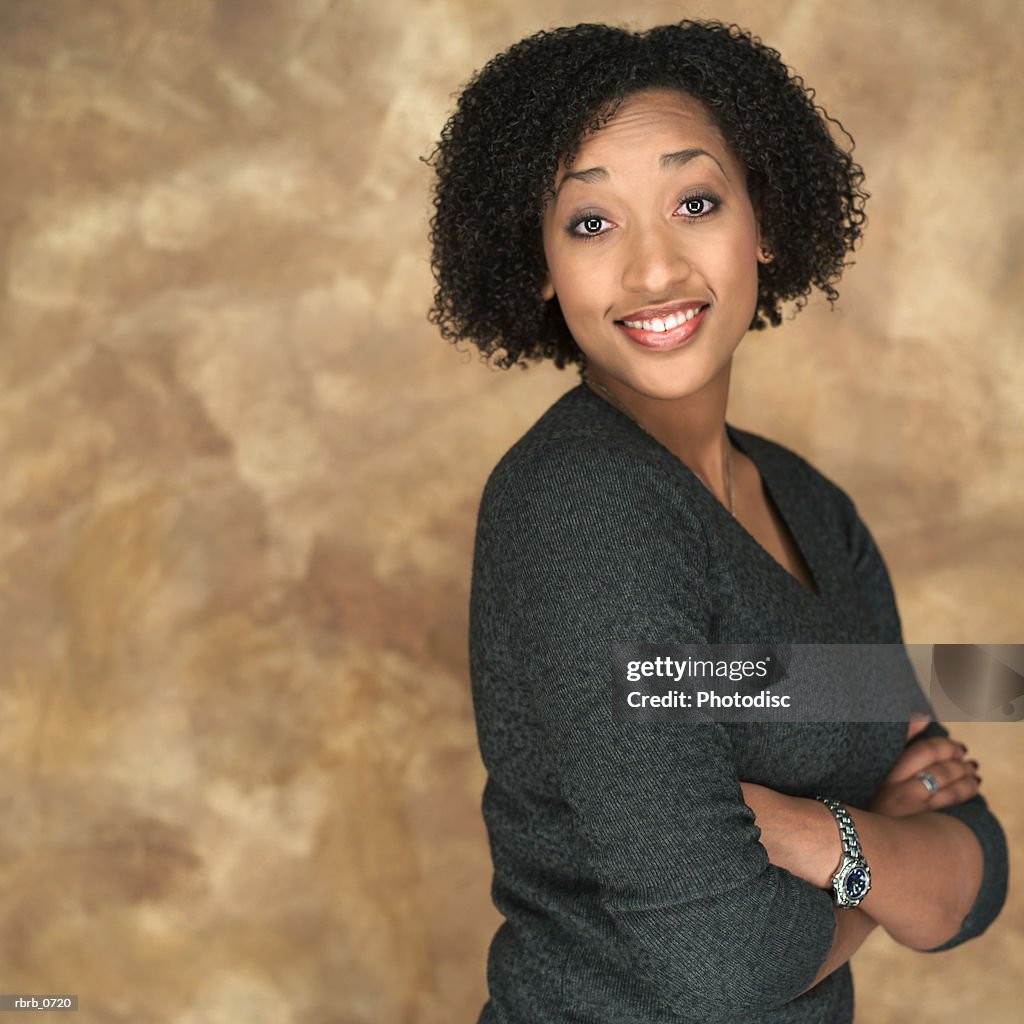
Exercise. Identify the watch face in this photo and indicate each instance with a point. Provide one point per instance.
(856, 883)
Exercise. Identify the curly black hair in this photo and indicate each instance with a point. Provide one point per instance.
(531, 106)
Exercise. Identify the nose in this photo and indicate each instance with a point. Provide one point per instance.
(655, 259)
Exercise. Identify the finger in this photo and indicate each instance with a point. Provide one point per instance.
(923, 754)
(949, 796)
(917, 724)
(947, 774)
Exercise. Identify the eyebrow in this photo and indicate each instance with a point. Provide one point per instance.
(668, 161)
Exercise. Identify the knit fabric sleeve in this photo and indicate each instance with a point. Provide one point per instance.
(977, 816)
(590, 547)
(974, 813)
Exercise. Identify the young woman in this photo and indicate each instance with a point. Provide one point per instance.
(633, 204)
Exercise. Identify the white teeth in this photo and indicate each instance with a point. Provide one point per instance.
(668, 323)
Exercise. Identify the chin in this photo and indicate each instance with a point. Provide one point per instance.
(670, 382)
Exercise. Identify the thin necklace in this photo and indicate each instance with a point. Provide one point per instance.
(728, 450)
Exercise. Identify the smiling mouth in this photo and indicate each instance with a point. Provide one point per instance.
(667, 332)
(661, 325)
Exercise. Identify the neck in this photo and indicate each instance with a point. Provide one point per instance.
(692, 427)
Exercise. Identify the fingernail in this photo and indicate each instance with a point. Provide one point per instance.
(962, 747)
(975, 763)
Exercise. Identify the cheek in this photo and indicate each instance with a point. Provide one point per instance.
(560, 274)
(571, 286)
(574, 305)
(742, 260)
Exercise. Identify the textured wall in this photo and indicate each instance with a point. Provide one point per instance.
(239, 773)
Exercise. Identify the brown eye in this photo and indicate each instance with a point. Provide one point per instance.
(590, 226)
(698, 207)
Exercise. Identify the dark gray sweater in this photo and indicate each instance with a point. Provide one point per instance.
(626, 863)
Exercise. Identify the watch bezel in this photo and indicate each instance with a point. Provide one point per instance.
(839, 882)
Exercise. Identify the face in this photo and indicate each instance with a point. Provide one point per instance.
(652, 223)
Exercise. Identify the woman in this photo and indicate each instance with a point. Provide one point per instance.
(633, 204)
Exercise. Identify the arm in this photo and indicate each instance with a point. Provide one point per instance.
(974, 814)
(926, 871)
(582, 548)
(872, 576)
(926, 868)
(853, 926)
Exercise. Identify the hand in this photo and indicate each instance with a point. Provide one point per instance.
(903, 794)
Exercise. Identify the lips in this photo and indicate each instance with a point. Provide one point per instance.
(653, 333)
(660, 312)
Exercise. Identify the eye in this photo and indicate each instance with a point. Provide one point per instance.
(698, 206)
(589, 225)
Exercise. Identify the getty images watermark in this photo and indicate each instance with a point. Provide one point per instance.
(818, 682)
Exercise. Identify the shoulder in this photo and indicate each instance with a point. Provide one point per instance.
(587, 481)
(585, 529)
(583, 453)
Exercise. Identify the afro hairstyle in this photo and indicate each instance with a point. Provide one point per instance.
(528, 110)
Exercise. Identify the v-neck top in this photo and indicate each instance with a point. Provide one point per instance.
(626, 864)
(772, 501)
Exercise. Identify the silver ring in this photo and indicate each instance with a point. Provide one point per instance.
(930, 782)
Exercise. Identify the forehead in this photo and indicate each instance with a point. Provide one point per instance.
(652, 118)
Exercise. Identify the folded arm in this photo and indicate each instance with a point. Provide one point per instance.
(938, 877)
(926, 871)
(950, 868)
(853, 926)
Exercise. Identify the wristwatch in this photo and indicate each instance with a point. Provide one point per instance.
(852, 880)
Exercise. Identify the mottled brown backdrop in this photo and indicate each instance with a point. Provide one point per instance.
(239, 776)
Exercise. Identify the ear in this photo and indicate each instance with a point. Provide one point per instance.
(547, 289)
(764, 251)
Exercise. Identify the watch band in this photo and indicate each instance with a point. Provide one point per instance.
(852, 880)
